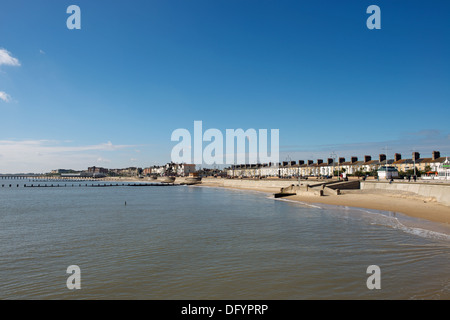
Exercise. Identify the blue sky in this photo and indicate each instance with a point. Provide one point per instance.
(112, 93)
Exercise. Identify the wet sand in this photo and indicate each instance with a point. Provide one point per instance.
(407, 204)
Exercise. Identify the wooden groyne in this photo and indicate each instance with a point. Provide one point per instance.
(100, 185)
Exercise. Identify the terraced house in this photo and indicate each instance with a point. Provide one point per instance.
(309, 168)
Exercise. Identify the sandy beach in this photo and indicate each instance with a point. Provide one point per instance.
(408, 204)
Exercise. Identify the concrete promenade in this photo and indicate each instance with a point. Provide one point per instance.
(248, 183)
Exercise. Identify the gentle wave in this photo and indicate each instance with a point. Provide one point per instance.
(392, 222)
(300, 202)
(422, 232)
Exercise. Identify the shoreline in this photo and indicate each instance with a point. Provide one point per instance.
(408, 205)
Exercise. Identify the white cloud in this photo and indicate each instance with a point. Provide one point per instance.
(5, 97)
(45, 155)
(7, 59)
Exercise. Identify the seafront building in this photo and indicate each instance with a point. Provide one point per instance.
(443, 170)
(98, 170)
(421, 164)
(387, 172)
(332, 167)
(171, 168)
(125, 172)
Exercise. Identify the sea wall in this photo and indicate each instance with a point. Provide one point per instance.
(244, 183)
(440, 192)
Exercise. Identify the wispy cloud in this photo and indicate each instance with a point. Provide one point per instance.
(428, 133)
(44, 155)
(5, 97)
(7, 59)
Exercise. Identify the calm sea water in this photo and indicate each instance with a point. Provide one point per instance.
(205, 243)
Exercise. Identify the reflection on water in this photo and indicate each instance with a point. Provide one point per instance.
(205, 243)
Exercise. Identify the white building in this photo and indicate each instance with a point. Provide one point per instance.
(184, 169)
(179, 169)
(387, 172)
(443, 170)
(158, 170)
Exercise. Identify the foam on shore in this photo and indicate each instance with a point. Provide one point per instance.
(411, 225)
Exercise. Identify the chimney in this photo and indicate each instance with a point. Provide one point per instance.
(382, 158)
(354, 159)
(416, 156)
(301, 162)
(319, 161)
(341, 160)
(436, 154)
(397, 157)
(330, 161)
(367, 158)
(310, 162)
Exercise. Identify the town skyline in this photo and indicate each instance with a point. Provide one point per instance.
(111, 93)
(287, 161)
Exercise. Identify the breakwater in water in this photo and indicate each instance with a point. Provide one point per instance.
(96, 185)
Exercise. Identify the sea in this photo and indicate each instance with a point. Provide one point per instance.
(205, 243)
